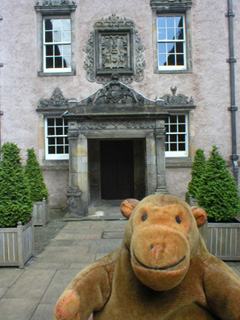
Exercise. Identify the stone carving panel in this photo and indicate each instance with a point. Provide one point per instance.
(57, 100)
(114, 46)
(108, 125)
(176, 99)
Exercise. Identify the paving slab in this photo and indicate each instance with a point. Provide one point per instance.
(8, 276)
(43, 309)
(59, 282)
(32, 284)
(18, 309)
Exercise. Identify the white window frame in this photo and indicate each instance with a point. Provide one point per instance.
(56, 70)
(54, 156)
(176, 67)
(171, 154)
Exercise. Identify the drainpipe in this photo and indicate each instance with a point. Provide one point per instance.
(233, 108)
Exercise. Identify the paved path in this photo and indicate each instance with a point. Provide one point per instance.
(31, 293)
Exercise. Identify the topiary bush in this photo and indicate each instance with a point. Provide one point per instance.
(38, 189)
(15, 201)
(218, 193)
(198, 169)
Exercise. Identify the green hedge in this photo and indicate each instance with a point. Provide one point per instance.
(198, 169)
(15, 201)
(34, 176)
(218, 193)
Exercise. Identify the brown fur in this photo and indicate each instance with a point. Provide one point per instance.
(162, 271)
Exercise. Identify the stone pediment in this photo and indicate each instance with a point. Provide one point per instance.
(116, 94)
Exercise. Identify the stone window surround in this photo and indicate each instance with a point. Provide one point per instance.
(54, 11)
(172, 7)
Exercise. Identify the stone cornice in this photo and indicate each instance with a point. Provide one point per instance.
(55, 6)
(159, 3)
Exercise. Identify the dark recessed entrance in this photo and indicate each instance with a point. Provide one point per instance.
(117, 169)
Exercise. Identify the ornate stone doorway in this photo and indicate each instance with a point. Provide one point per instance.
(115, 113)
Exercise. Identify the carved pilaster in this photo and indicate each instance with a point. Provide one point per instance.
(160, 157)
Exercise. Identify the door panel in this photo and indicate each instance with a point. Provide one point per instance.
(117, 171)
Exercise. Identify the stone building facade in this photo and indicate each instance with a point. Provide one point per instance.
(116, 96)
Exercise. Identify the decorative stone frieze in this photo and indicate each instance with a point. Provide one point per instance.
(114, 46)
(158, 3)
(109, 125)
(57, 102)
(176, 99)
(56, 3)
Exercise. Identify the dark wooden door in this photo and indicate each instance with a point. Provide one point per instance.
(117, 172)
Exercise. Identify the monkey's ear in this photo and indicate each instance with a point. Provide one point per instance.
(127, 207)
(200, 216)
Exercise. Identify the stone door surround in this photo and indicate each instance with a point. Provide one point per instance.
(114, 112)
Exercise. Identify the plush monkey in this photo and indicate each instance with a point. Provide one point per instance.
(162, 271)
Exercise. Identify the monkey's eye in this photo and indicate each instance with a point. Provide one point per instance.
(144, 217)
(178, 220)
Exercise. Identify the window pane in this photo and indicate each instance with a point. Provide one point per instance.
(173, 119)
(49, 50)
(58, 50)
(48, 24)
(59, 122)
(50, 122)
(66, 50)
(59, 131)
(162, 34)
(181, 119)
(181, 128)
(66, 62)
(170, 34)
(162, 59)
(65, 141)
(66, 149)
(57, 36)
(57, 24)
(66, 36)
(161, 22)
(181, 137)
(50, 131)
(51, 141)
(51, 150)
(173, 147)
(179, 22)
(179, 47)
(59, 149)
(49, 63)
(181, 146)
(170, 22)
(162, 47)
(171, 60)
(173, 138)
(66, 24)
(180, 60)
(171, 47)
(60, 140)
(58, 62)
(173, 128)
(179, 34)
(48, 36)
(65, 131)
(166, 147)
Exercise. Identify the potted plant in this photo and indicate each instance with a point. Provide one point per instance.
(16, 230)
(38, 189)
(218, 195)
(198, 168)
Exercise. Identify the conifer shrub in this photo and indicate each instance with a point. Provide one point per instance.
(15, 201)
(218, 193)
(198, 169)
(33, 172)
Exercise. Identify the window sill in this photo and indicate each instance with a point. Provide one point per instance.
(181, 162)
(173, 71)
(56, 74)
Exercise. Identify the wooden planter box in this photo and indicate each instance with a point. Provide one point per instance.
(222, 239)
(40, 213)
(16, 245)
